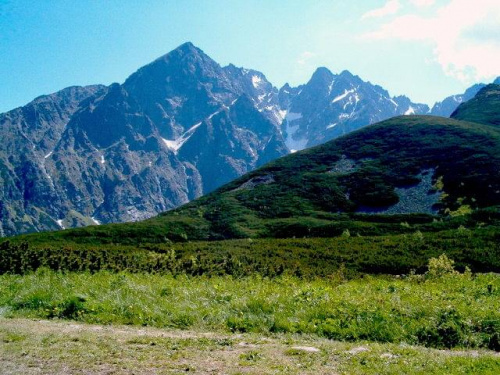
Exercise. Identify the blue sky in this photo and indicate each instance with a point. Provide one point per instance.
(426, 49)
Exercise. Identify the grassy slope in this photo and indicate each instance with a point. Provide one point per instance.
(483, 109)
(306, 197)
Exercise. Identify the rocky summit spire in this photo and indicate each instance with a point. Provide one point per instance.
(322, 74)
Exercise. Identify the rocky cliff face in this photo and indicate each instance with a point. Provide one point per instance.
(177, 128)
(29, 199)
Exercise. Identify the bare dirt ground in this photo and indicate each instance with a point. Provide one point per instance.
(64, 347)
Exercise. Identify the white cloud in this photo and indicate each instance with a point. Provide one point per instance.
(422, 3)
(391, 7)
(305, 57)
(464, 35)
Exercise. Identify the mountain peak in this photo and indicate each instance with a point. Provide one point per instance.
(187, 47)
(185, 60)
(321, 79)
(497, 81)
(322, 73)
(347, 76)
(346, 73)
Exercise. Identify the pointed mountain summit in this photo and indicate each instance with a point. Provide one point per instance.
(263, 94)
(186, 48)
(185, 53)
(172, 132)
(180, 89)
(321, 77)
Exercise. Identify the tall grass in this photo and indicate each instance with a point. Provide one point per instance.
(452, 310)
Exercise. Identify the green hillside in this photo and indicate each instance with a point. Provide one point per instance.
(418, 170)
(484, 108)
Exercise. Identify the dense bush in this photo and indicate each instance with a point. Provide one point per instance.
(478, 249)
(23, 258)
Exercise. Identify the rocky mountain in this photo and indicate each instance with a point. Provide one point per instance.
(29, 135)
(331, 105)
(446, 107)
(176, 129)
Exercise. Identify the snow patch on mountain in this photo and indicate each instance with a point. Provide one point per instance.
(330, 87)
(60, 223)
(256, 81)
(261, 97)
(292, 116)
(342, 96)
(291, 142)
(176, 144)
(410, 111)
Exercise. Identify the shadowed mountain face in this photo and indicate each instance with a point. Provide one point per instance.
(29, 134)
(178, 128)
